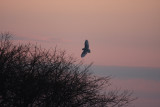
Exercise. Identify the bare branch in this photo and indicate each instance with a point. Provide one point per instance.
(34, 77)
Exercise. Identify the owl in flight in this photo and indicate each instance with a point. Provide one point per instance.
(85, 49)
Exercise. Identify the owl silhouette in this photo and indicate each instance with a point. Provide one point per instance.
(85, 49)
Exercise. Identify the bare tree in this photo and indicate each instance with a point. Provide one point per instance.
(34, 77)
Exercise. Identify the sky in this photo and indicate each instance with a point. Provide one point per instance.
(121, 33)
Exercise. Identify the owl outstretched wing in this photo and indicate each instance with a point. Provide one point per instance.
(86, 44)
(83, 53)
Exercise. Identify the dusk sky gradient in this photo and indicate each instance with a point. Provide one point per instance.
(124, 36)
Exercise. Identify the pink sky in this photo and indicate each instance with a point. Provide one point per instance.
(147, 91)
(144, 82)
(121, 33)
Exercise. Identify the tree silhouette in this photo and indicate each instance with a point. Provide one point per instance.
(34, 77)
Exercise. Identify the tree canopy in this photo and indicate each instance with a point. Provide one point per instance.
(31, 76)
